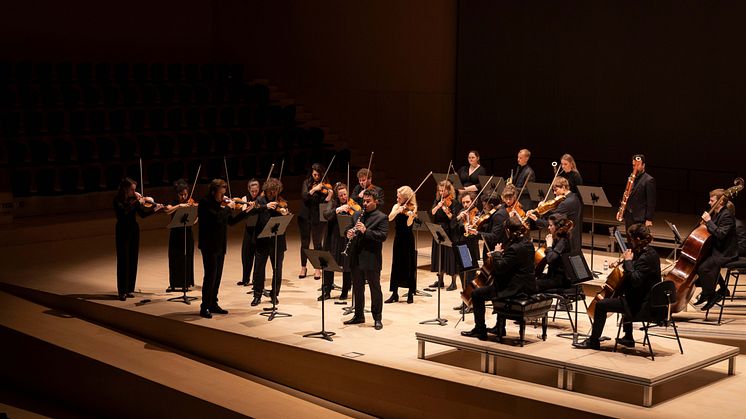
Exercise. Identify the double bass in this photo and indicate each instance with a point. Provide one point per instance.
(694, 250)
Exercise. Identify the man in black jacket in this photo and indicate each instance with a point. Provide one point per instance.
(641, 202)
(642, 270)
(268, 206)
(368, 234)
(214, 219)
(722, 226)
(570, 207)
(524, 174)
(493, 231)
(365, 182)
(512, 273)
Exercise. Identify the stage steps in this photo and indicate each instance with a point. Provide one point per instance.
(100, 372)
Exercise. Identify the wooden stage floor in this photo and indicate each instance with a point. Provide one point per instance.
(84, 268)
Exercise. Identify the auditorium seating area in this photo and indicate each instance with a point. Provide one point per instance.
(73, 128)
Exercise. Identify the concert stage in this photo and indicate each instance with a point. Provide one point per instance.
(363, 371)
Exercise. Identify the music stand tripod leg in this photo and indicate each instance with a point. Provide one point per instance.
(440, 321)
(184, 298)
(271, 312)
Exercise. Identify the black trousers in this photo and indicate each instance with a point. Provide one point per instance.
(603, 307)
(709, 274)
(310, 230)
(248, 251)
(376, 296)
(329, 282)
(213, 267)
(478, 299)
(127, 240)
(260, 269)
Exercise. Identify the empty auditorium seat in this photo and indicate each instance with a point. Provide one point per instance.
(174, 119)
(140, 72)
(157, 72)
(64, 72)
(93, 178)
(84, 72)
(103, 72)
(228, 117)
(210, 118)
(97, 120)
(174, 72)
(85, 149)
(118, 120)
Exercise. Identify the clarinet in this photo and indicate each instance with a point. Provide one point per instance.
(354, 229)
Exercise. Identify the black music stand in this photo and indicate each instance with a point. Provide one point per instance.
(184, 217)
(676, 238)
(276, 226)
(577, 271)
(440, 237)
(322, 259)
(597, 198)
(419, 225)
(453, 177)
(496, 183)
(468, 264)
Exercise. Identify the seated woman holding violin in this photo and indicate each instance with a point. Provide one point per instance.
(642, 270)
(557, 245)
(314, 192)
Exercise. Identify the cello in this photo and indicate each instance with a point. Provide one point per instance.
(694, 250)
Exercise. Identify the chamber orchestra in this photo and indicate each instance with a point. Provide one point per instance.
(492, 221)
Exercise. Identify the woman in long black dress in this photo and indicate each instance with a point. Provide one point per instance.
(312, 193)
(404, 258)
(445, 208)
(469, 175)
(180, 265)
(335, 243)
(127, 205)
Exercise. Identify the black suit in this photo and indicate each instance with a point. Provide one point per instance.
(357, 189)
(571, 207)
(722, 226)
(512, 274)
(265, 249)
(641, 201)
(640, 274)
(214, 220)
(366, 261)
(494, 231)
(523, 175)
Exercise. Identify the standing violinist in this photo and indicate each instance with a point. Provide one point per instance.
(314, 192)
(128, 204)
(722, 226)
(248, 247)
(215, 214)
(404, 256)
(570, 207)
(444, 209)
(269, 205)
(557, 245)
(365, 182)
(180, 265)
(335, 244)
(524, 174)
(642, 270)
(641, 201)
(469, 175)
(512, 273)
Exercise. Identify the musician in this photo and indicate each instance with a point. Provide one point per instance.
(248, 247)
(369, 232)
(570, 172)
(404, 257)
(641, 202)
(570, 207)
(461, 236)
(313, 194)
(512, 273)
(365, 182)
(558, 244)
(180, 265)
(642, 270)
(469, 175)
(444, 209)
(524, 174)
(335, 244)
(269, 205)
(128, 204)
(494, 229)
(215, 215)
(722, 226)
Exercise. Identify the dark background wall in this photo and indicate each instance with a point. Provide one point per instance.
(605, 80)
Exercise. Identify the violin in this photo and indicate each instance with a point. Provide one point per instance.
(545, 207)
(517, 207)
(325, 187)
(409, 209)
(469, 220)
(353, 207)
(147, 201)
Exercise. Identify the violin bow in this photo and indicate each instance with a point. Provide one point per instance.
(271, 168)
(282, 166)
(228, 179)
(195, 181)
(418, 188)
(142, 183)
(554, 164)
(348, 173)
(370, 162)
(327, 168)
(480, 193)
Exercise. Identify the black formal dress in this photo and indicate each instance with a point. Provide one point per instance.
(641, 201)
(335, 244)
(448, 258)
(309, 223)
(377, 189)
(571, 208)
(473, 178)
(722, 227)
(366, 261)
(555, 276)
(640, 274)
(180, 266)
(404, 258)
(524, 174)
(214, 220)
(265, 249)
(127, 239)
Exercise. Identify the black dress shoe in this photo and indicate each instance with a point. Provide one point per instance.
(122, 297)
(477, 332)
(378, 325)
(324, 297)
(218, 310)
(711, 301)
(343, 296)
(410, 298)
(242, 284)
(725, 292)
(437, 284)
(393, 299)
(355, 320)
(460, 307)
(205, 313)
(701, 299)
(451, 287)
(256, 301)
(130, 295)
(499, 332)
(267, 293)
(588, 344)
(169, 289)
(626, 341)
